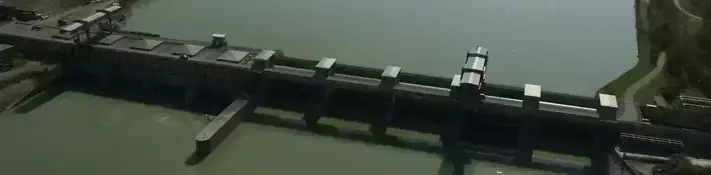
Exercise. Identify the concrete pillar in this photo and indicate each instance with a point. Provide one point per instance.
(263, 60)
(478, 51)
(466, 100)
(604, 138)
(529, 129)
(320, 93)
(607, 110)
(465, 91)
(389, 79)
(217, 131)
(476, 61)
(474, 64)
(454, 86)
(451, 131)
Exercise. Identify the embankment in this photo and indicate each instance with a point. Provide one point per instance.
(22, 82)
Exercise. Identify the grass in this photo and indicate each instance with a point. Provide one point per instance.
(644, 65)
(619, 85)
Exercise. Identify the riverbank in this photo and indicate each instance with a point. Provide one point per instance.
(648, 47)
(643, 66)
(664, 26)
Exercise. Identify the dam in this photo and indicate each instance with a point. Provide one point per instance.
(389, 98)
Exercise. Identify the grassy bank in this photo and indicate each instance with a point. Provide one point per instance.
(644, 65)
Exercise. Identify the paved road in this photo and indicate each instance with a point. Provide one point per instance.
(629, 111)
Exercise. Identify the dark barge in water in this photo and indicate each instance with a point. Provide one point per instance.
(459, 109)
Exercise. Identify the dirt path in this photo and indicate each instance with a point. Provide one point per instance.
(629, 110)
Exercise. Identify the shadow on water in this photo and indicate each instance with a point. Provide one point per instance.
(194, 159)
(329, 131)
(363, 108)
(447, 167)
(367, 107)
(38, 100)
(168, 98)
(158, 96)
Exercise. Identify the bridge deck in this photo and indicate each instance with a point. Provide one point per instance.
(294, 69)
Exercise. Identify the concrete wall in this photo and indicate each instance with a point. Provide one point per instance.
(163, 70)
(33, 45)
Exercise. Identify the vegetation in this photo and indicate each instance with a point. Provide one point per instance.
(643, 66)
(671, 89)
(647, 55)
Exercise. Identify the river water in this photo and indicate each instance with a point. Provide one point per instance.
(567, 46)
(81, 133)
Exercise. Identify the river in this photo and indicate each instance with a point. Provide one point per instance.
(567, 46)
(75, 132)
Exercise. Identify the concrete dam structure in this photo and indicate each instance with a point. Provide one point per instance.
(251, 77)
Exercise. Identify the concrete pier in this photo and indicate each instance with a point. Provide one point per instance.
(604, 140)
(528, 130)
(320, 92)
(220, 127)
(389, 78)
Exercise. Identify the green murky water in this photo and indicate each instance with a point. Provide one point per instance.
(78, 133)
(567, 46)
